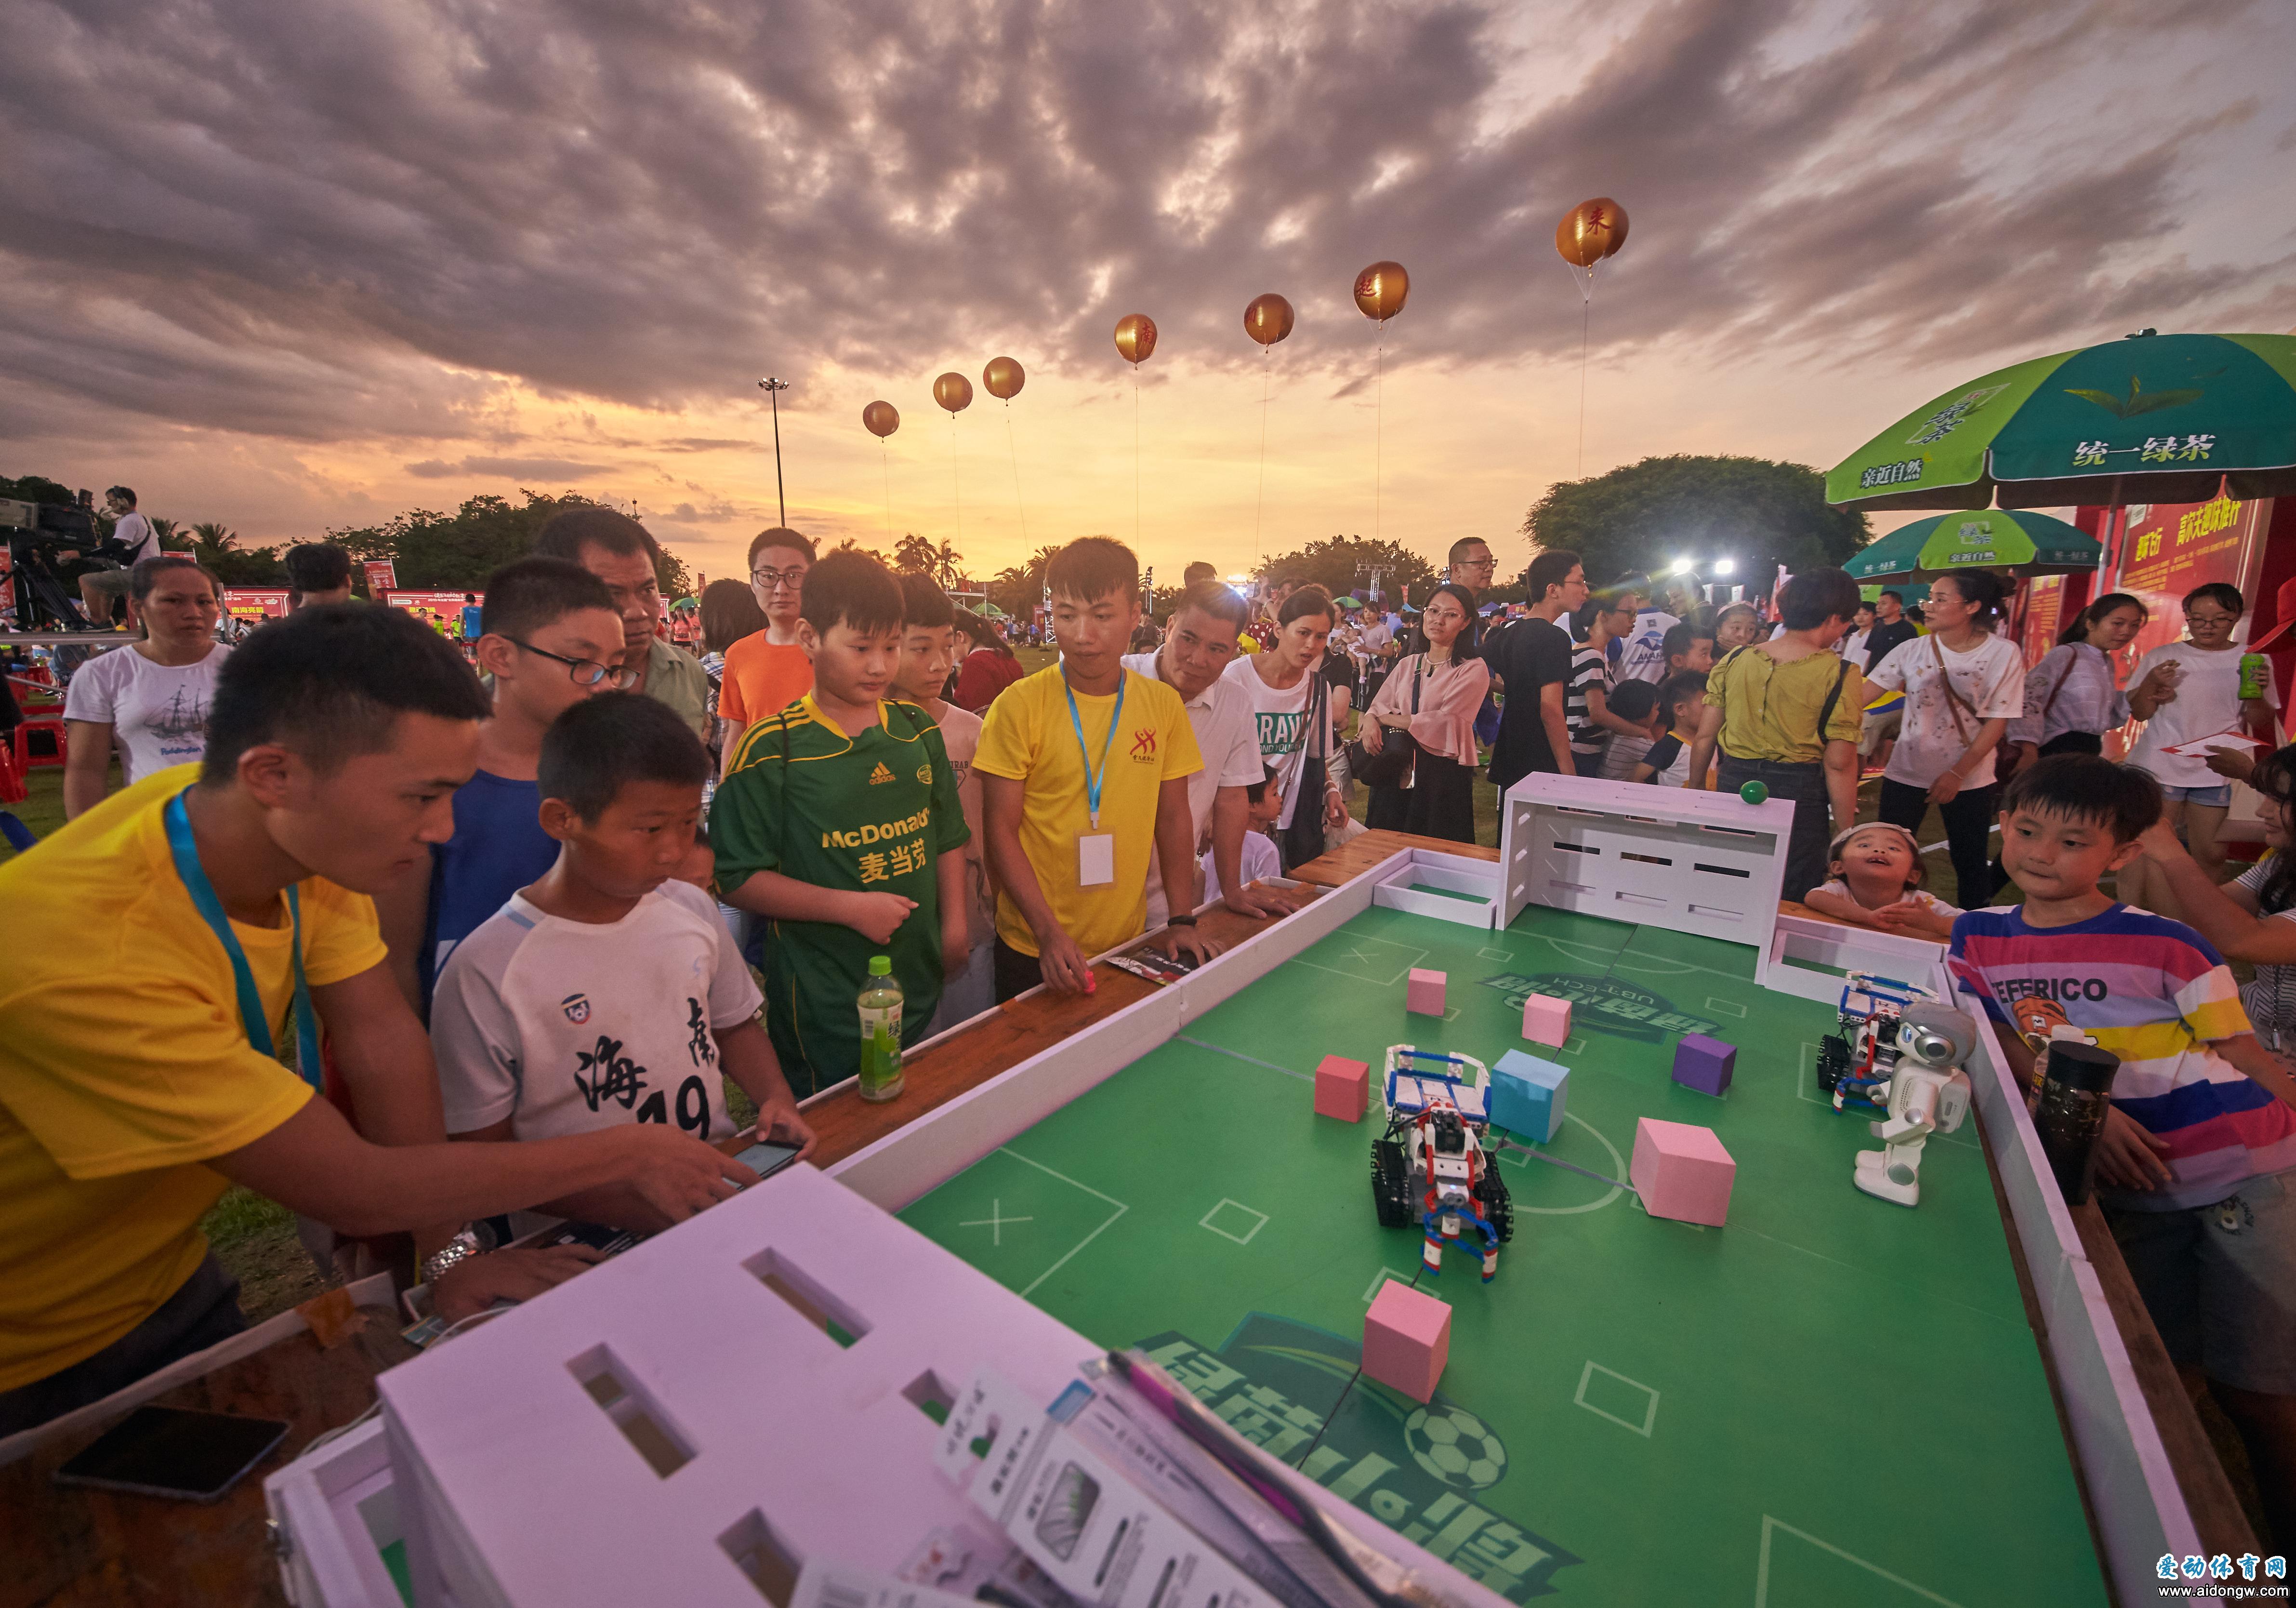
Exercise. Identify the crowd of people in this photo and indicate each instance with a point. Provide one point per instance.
(524, 914)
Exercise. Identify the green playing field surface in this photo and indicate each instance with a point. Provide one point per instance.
(1833, 1401)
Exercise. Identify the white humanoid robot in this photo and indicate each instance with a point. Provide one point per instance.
(1928, 1094)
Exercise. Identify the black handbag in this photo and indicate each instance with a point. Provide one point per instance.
(1303, 840)
(1396, 749)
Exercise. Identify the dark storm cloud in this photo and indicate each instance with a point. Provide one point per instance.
(321, 222)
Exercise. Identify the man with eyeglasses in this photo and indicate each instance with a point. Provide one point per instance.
(550, 636)
(621, 552)
(768, 670)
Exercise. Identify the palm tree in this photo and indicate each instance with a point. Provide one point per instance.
(947, 565)
(165, 530)
(915, 554)
(212, 536)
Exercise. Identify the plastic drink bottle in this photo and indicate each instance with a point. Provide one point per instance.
(2253, 673)
(881, 1031)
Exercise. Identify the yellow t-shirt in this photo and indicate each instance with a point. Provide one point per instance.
(1027, 736)
(124, 1068)
(1770, 711)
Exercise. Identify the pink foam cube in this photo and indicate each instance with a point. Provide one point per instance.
(1342, 1088)
(1682, 1171)
(1407, 1339)
(1423, 994)
(1546, 1019)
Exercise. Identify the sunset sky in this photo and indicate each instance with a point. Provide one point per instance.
(291, 267)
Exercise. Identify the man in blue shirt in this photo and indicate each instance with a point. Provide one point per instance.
(550, 636)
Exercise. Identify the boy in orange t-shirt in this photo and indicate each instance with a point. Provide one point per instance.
(767, 671)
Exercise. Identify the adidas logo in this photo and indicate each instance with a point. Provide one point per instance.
(880, 774)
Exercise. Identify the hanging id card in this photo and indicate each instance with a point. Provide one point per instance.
(1096, 858)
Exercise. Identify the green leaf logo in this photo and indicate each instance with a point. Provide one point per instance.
(2137, 401)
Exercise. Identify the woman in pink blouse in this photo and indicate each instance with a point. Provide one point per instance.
(1433, 696)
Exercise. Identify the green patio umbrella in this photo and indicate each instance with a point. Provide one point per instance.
(2150, 419)
(2020, 541)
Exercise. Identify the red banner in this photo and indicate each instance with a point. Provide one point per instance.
(255, 604)
(2168, 548)
(2045, 612)
(381, 575)
(441, 610)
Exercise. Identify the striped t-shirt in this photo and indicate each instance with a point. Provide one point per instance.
(2154, 993)
(1588, 668)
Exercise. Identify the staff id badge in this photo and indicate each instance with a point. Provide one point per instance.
(1095, 850)
(1096, 858)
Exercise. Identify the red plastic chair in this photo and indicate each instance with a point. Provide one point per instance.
(49, 751)
(11, 780)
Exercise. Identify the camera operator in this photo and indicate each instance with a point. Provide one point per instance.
(101, 591)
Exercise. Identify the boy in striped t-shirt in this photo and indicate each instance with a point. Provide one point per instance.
(2193, 1163)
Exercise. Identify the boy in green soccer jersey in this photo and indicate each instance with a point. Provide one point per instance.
(839, 821)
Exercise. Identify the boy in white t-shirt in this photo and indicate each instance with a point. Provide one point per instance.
(928, 654)
(608, 992)
(1258, 858)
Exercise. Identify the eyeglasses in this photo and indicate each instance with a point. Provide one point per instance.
(583, 672)
(790, 580)
(1479, 564)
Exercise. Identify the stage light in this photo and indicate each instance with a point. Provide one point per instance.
(1723, 566)
(1681, 566)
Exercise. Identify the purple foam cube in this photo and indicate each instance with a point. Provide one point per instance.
(1704, 1065)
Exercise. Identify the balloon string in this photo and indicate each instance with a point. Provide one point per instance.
(1267, 362)
(1136, 456)
(885, 457)
(1378, 426)
(1013, 442)
(955, 489)
(1585, 315)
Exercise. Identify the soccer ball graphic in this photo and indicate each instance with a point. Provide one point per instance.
(1456, 1447)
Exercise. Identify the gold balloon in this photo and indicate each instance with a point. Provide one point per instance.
(880, 419)
(1381, 290)
(1135, 338)
(1268, 319)
(1591, 231)
(953, 392)
(1004, 377)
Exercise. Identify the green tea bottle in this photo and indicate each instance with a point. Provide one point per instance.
(881, 1031)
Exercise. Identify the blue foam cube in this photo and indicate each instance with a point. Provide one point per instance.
(1527, 1096)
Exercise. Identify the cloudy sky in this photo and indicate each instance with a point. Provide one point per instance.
(291, 266)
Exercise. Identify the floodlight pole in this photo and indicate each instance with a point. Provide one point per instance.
(773, 389)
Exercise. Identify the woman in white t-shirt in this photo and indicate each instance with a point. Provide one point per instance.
(150, 697)
(1291, 709)
(2185, 692)
(1962, 686)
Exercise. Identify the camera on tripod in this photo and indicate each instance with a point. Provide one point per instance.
(37, 536)
(51, 524)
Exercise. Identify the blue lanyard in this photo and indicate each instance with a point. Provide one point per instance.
(1092, 782)
(250, 1003)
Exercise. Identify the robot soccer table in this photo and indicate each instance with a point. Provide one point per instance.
(1833, 1399)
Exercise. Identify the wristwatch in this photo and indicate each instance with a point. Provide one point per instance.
(476, 1239)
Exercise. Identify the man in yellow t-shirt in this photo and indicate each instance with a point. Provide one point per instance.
(1084, 770)
(153, 952)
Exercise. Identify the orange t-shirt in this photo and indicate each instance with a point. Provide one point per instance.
(762, 678)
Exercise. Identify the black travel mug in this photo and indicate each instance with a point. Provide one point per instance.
(2076, 1091)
